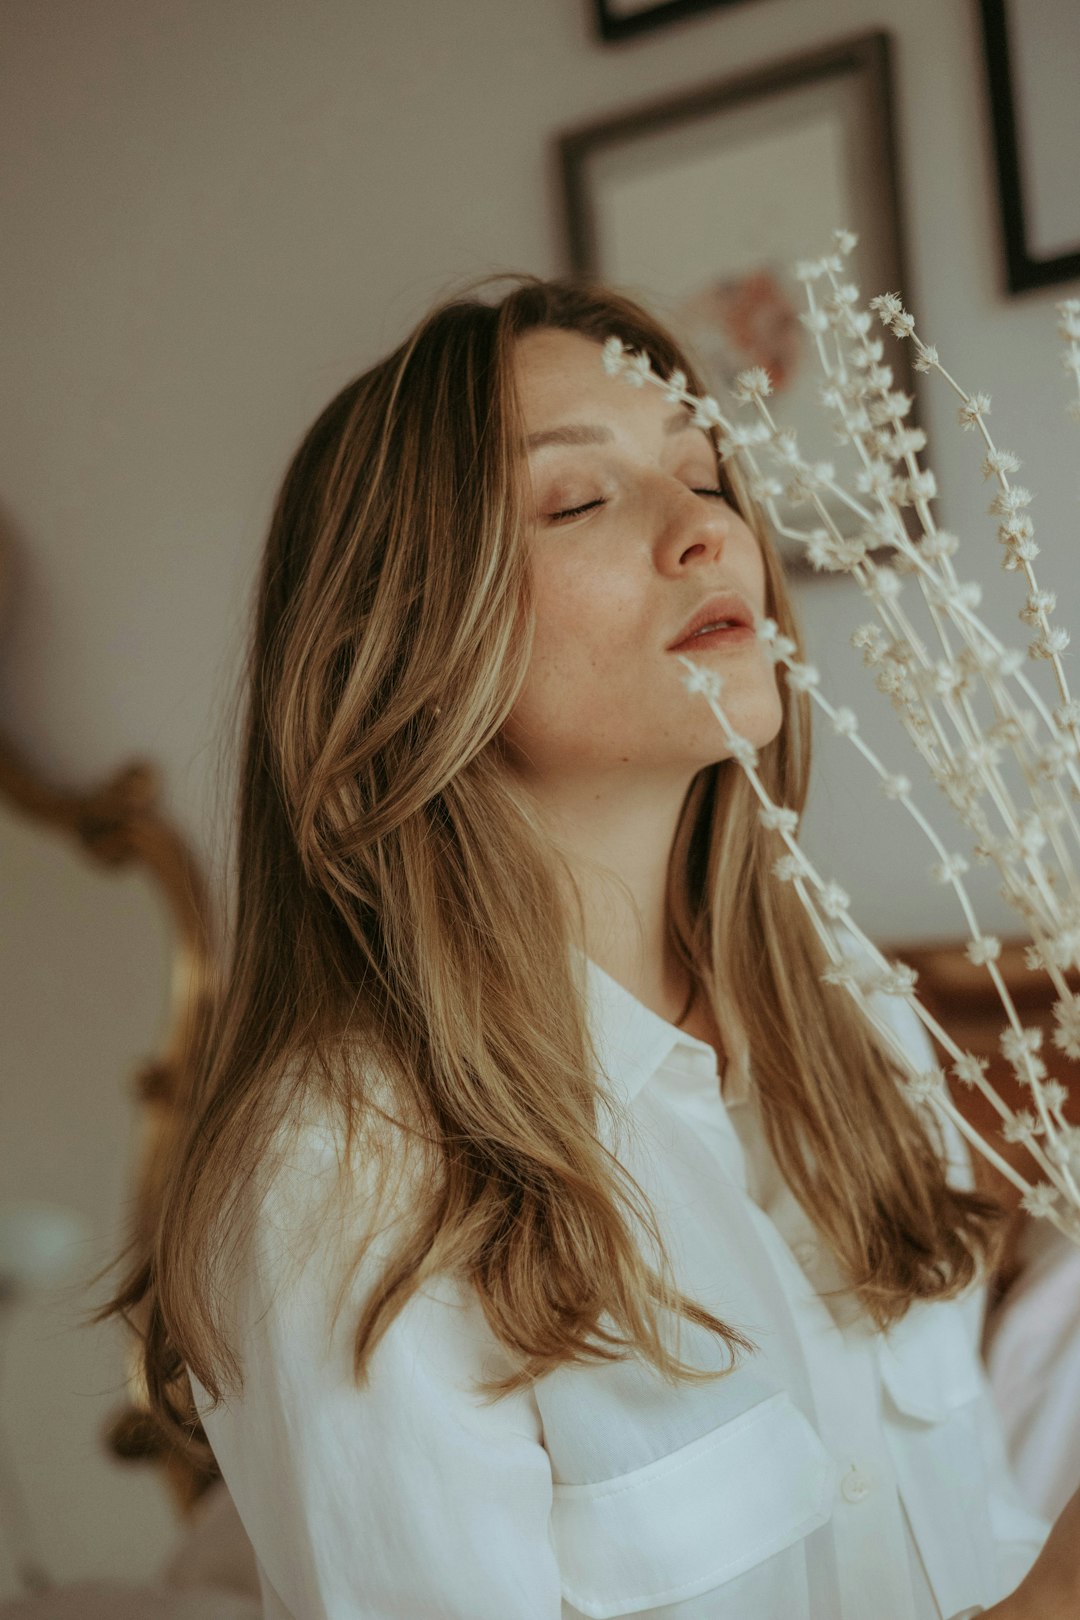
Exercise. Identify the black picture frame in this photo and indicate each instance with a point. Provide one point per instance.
(850, 79)
(615, 24)
(1016, 160)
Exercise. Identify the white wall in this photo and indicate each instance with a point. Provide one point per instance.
(215, 212)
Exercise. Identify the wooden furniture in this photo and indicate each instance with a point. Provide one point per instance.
(963, 999)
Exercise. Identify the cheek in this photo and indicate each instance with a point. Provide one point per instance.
(583, 616)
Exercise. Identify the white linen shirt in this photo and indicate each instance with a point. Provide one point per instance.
(837, 1474)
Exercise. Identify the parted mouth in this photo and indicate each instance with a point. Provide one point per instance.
(728, 611)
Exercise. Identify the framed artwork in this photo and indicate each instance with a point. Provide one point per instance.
(1032, 51)
(622, 19)
(700, 206)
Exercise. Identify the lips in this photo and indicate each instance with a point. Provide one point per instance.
(727, 609)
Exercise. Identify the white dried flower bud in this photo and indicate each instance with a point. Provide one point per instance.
(637, 370)
(1068, 714)
(834, 902)
(970, 1069)
(907, 442)
(1052, 761)
(973, 408)
(940, 544)
(1018, 552)
(701, 679)
(1019, 1127)
(1016, 527)
(982, 753)
(707, 413)
(778, 818)
(1030, 835)
(928, 1083)
(1055, 1095)
(846, 240)
(876, 478)
(1039, 1200)
(926, 358)
(947, 870)
(884, 585)
(755, 383)
(947, 680)
(895, 786)
(789, 867)
(613, 356)
(1063, 950)
(923, 485)
(849, 973)
(1067, 1034)
(983, 948)
(1007, 502)
(868, 354)
(676, 388)
(743, 752)
(809, 270)
(898, 980)
(967, 595)
(888, 306)
(1064, 1146)
(891, 405)
(1050, 643)
(871, 641)
(815, 320)
(801, 677)
(1020, 1045)
(996, 463)
(845, 723)
(780, 650)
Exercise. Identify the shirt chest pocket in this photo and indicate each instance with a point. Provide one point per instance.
(725, 1515)
(935, 1408)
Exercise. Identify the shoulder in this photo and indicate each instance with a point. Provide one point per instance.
(342, 1167)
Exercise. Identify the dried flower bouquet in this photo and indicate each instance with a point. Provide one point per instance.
(1006, 759)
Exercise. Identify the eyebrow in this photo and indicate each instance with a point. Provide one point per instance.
(590, 433)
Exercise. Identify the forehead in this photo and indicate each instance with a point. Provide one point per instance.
(555, 370)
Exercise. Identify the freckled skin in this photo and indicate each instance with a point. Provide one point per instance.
(615, 584)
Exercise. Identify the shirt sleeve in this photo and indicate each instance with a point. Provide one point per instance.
(408, 1496)
(1019, 1530)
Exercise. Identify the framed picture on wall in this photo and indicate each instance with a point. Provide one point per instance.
(1032, 52)
(622, 19)
(701, 206)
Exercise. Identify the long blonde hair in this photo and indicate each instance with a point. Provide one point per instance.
(398, 914)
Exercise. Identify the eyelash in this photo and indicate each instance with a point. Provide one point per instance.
(576, 511)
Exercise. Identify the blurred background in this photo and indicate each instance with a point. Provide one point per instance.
(215, 212)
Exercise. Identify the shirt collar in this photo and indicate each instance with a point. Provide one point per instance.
(632, 1042)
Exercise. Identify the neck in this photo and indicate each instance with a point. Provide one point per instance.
(616, 842)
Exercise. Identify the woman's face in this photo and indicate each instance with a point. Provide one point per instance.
(628, 540)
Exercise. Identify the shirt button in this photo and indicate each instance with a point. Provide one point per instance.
(854, 1487)
(805, 1253)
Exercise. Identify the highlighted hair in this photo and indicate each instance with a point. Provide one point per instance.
(399, 950)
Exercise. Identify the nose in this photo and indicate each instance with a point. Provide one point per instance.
(692, 528)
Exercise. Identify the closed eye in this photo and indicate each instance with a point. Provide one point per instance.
(576, 511)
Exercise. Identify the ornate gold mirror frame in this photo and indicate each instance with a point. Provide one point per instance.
(120, 824)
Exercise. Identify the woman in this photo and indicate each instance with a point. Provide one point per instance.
(548, 1240)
